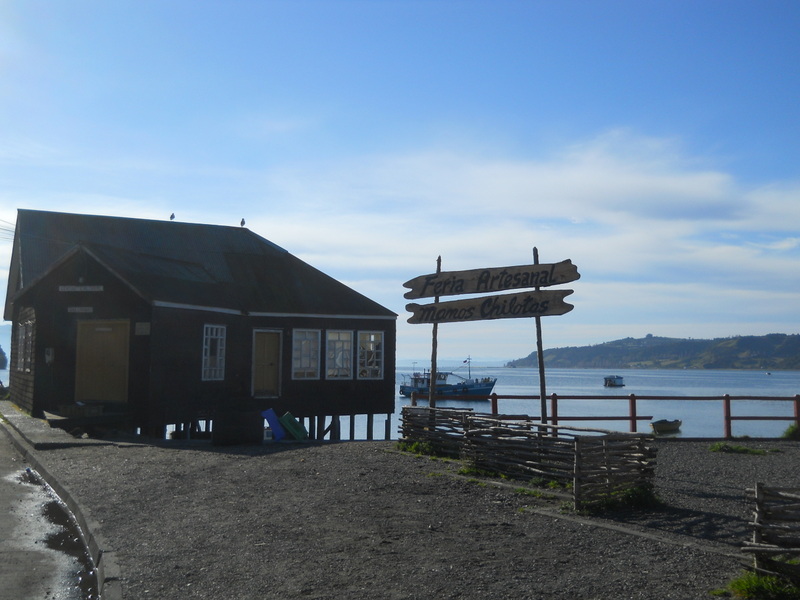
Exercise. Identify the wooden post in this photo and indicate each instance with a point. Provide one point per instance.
(388, 431)
(726, 412)
(758, 495)
(540, 353)
(493, 398)
(434, 348)
(632, 411)
(576, 475)
(413, 398)
(554, 409)
(797, 410)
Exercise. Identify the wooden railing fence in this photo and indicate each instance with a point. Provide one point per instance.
(598, 465)
(776, 531)
(632, 416)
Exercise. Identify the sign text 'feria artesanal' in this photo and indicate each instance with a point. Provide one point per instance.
(485, 281)
(500, 306)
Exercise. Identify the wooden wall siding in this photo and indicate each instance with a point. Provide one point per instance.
(599, 464)
(22, 382)
(52, 386)
(776, 531)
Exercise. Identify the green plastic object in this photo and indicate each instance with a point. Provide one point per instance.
(294, 427)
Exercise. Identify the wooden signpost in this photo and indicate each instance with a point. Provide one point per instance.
(535, 303)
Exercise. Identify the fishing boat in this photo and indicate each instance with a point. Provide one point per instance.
(448, 383)
(613, 381)
(666, 425)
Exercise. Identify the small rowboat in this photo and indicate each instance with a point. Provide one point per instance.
(666, 426)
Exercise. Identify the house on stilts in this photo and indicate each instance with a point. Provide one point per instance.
(151, 325)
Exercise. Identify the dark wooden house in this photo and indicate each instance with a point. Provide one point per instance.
(167, 323)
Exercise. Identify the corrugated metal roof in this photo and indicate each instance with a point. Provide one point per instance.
(184, 263)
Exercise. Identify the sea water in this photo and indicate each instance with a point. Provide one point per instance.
(701, 418)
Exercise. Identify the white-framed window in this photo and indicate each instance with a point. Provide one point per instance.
(24, 358)
(370, 355)
(214, 353)
(305, 354)
(339, 355)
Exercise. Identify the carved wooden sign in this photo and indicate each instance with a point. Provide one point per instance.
(484, 281)
(499, 306)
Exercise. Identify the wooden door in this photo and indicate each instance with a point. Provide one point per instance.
(101, 370)
(266, 363)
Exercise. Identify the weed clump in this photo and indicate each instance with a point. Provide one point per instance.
(792, 433)
(731, 449)
(752, 586)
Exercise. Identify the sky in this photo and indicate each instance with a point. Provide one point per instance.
(655, 144)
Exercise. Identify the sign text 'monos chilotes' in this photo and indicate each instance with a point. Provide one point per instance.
(499, 306)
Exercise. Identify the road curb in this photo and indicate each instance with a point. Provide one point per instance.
(104, 559)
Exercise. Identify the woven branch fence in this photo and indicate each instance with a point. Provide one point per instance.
(599, 465)
(776, 531)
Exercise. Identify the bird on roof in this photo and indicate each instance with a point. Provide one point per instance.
(242, 223)
(172, 217)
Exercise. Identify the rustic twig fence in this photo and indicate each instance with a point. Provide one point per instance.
(599, 465)
(776, 531)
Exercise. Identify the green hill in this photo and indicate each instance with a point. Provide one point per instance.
(776, 351)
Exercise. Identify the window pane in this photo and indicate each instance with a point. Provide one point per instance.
(339, 355)
(305, 354)
(214, 353)
(370, 355)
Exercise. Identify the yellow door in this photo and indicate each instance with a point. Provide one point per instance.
(101, 371)
(266, 363)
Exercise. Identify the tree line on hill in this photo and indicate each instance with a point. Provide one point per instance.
(776, 351)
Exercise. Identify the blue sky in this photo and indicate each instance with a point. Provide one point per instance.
(655, 144)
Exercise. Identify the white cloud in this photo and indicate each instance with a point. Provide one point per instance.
(664, 244)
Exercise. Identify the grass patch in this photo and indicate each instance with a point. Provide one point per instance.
(416, 447)
(732, 449)
(752, 586)
(641, 497)
(792, 433)
(467, 470)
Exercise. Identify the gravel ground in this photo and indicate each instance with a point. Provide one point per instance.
(362, 520)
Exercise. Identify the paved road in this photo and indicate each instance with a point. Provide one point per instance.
(29, 570)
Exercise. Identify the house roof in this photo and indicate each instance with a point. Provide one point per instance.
(185, 264)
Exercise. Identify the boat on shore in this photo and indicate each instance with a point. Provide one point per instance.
(613, 381)
(448, 383)
(666, 425)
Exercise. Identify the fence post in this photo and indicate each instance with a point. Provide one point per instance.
(577, 476)
(493, 397)
(554, 409)
(632, 411)
(797, 410)
(726, 414)
(413, 398)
